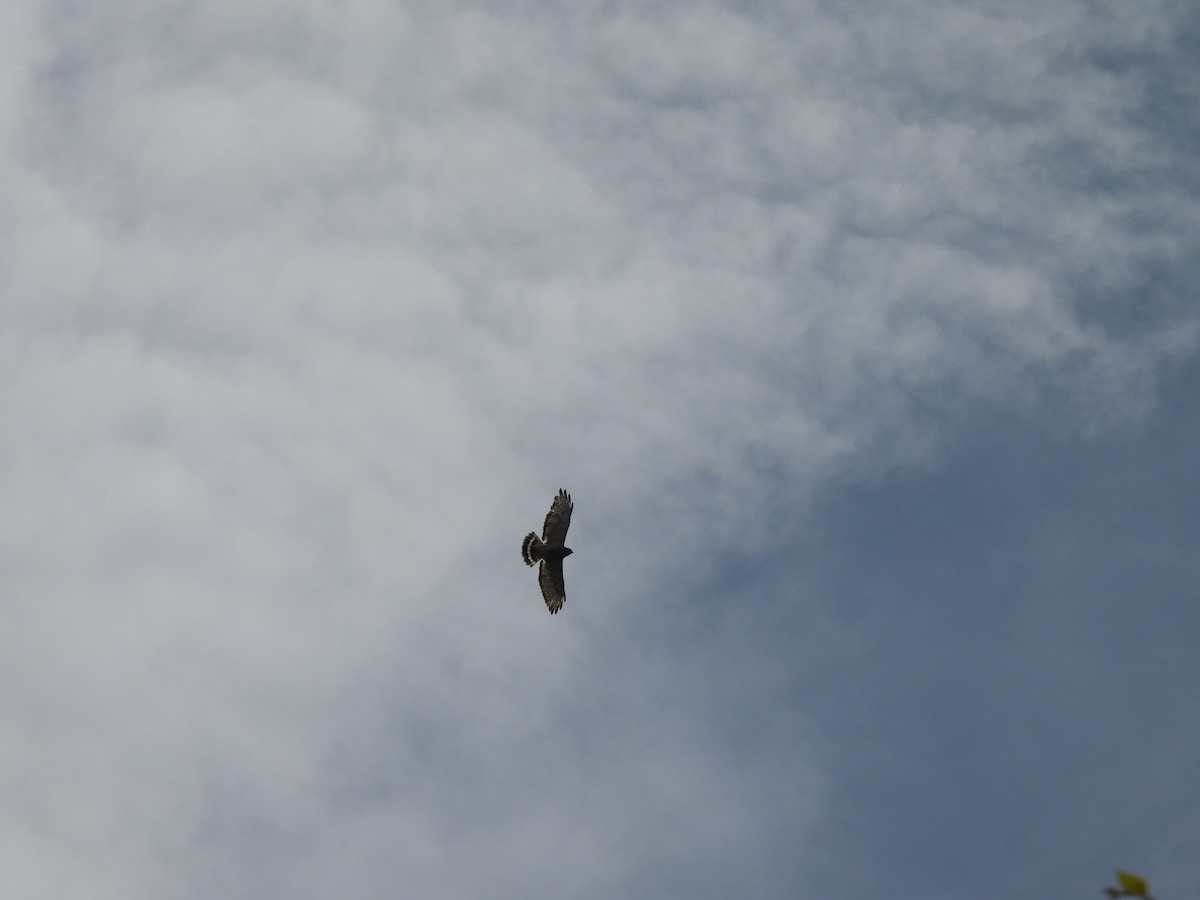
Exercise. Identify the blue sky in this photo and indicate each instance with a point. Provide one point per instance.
(864, 338)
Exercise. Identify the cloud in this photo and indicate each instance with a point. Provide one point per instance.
(308, 312)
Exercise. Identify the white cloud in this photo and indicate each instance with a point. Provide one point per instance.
(309, 310)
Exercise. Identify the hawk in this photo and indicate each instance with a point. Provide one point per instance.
(549, 551)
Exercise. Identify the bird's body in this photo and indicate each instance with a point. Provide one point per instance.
(548, 551)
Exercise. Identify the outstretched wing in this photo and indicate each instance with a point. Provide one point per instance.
(550, 579)
(558, 520)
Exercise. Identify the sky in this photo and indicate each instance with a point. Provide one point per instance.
(865, 337)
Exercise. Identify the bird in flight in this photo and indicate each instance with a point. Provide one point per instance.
(549, 551)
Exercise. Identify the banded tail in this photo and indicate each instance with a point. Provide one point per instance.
(531, 549)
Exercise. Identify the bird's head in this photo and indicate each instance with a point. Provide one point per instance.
(567, 551)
